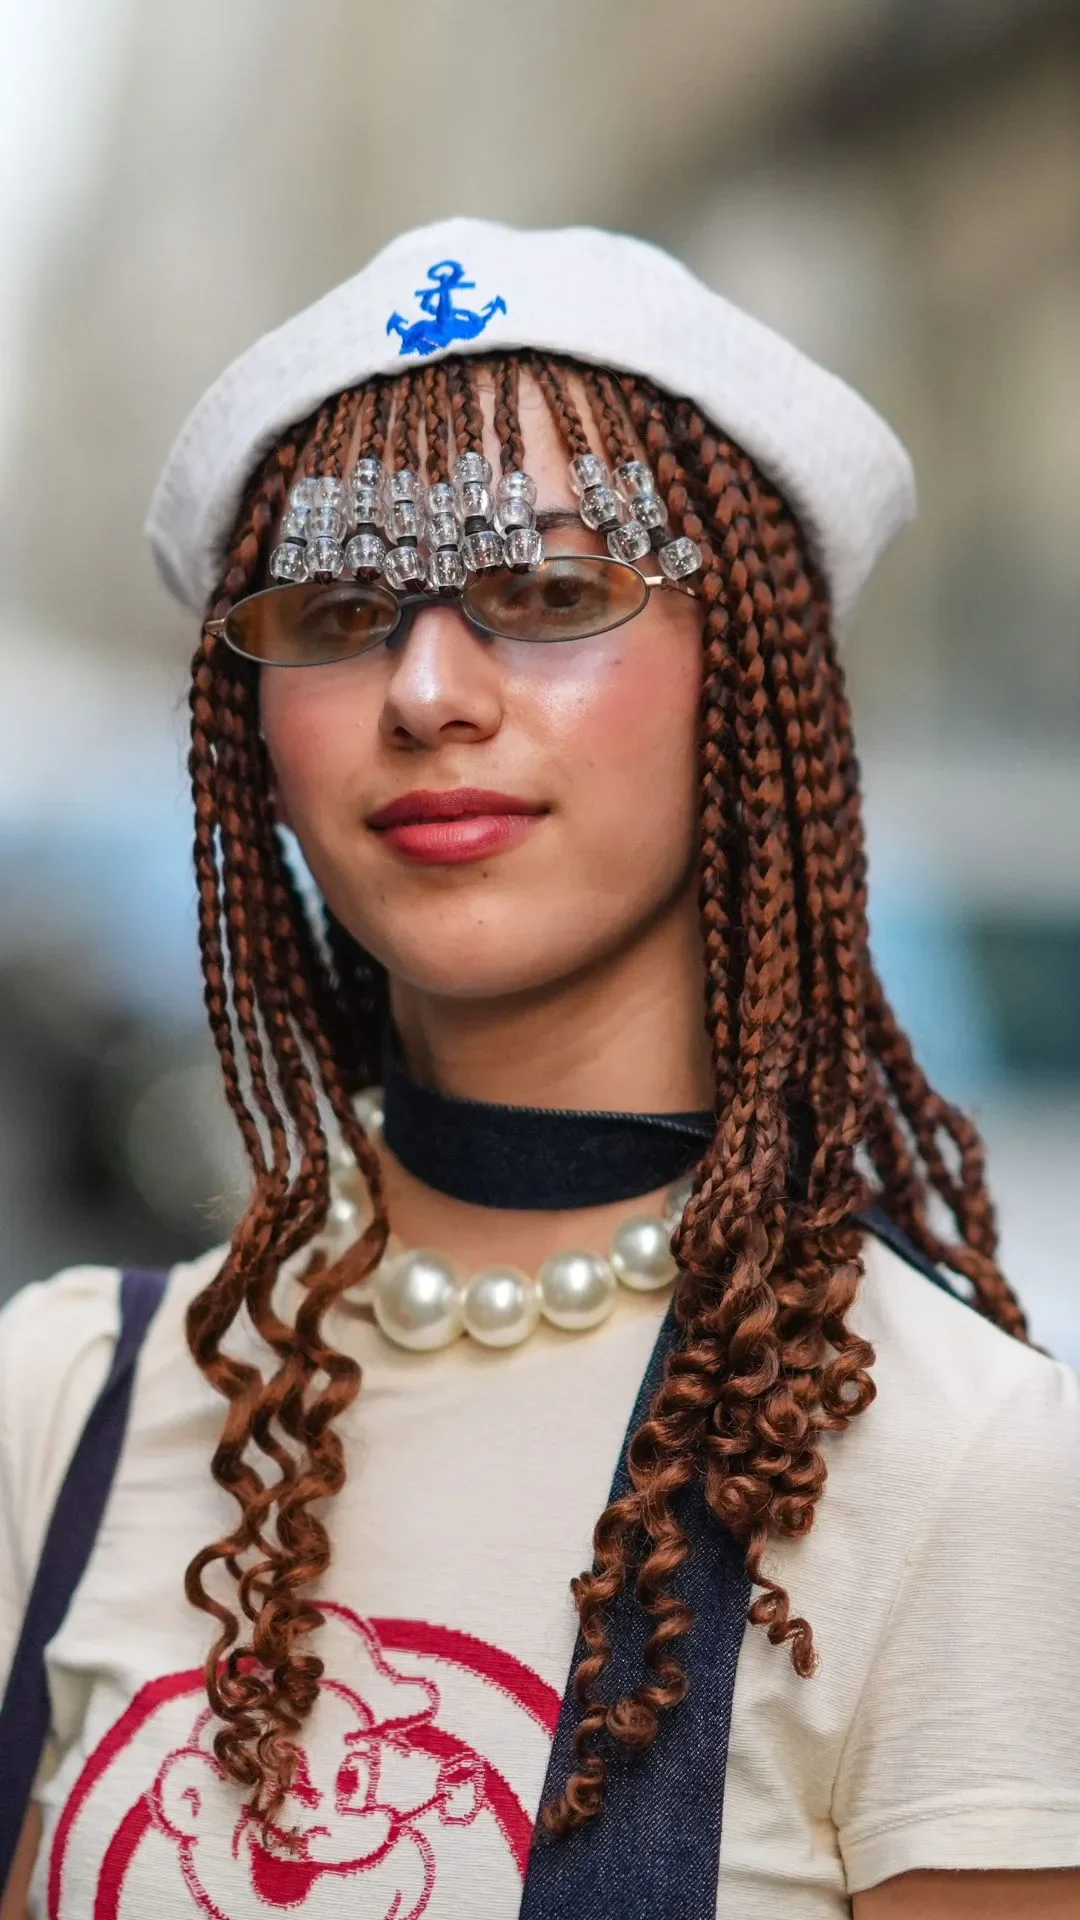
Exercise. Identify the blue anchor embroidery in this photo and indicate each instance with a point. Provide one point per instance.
(445, 322)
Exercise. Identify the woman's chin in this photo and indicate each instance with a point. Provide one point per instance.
(491, 975)
(492, 956)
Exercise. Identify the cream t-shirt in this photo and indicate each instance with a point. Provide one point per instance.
(942, 1578)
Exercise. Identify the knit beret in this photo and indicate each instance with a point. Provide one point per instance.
(475, 286)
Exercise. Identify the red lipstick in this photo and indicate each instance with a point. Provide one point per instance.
(464, 823)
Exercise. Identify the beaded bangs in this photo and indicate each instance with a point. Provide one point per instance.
(389, 517)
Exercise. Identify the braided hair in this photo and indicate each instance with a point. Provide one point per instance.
(820, 1104)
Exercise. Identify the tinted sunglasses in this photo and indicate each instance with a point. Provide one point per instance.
(569, 596)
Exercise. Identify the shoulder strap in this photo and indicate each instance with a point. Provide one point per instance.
(656, 1850)
(69, 1541)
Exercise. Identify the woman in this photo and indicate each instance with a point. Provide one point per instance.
(568, 756)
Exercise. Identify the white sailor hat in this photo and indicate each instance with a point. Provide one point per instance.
(475, 286)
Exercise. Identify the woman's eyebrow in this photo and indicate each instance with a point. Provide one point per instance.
(548, 517)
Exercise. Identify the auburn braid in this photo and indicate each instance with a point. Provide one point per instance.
(404, 438)
(508, 416)
(377, 401)
(554, 383)
(811, 1072)
(340, 434)
(465, 410)
(262, 1690)
(609, 414)
(437, 422)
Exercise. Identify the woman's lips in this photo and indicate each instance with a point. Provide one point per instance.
(465, 823)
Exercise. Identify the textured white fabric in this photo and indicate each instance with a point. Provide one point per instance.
(942, 1577)
(599, 297)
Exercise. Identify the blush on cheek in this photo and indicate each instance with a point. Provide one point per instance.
(318, 723)
(621, 699)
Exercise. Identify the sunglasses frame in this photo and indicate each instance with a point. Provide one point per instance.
(408, 605)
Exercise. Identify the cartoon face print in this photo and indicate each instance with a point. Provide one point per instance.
(364, 1793)
(396, 1810)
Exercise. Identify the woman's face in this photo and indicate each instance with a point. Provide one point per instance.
(575, 763)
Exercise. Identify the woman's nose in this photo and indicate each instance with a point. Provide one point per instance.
(444, 684)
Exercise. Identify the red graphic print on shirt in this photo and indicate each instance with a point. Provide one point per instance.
(402, 1800)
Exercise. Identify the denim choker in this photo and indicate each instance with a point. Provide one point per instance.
(538, 1158)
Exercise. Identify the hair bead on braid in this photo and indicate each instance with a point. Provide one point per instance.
(800, 1031)
(405, 494)
(627, 510)
(446, 563)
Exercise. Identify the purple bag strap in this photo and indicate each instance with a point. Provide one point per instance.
(69, 1542)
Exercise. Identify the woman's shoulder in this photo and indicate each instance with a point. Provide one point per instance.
(950, 1378)
(57, 1339)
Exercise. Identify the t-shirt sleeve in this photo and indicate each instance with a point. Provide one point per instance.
(56, 1344)
(964, 1751)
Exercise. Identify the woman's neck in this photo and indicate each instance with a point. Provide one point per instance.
(627, 1036)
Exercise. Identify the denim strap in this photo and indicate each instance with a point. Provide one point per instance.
(654, 1853)
(24, 1714)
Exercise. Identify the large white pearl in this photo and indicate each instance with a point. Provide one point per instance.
(347, 1214)
(502, 1306)
(368, 1108)
(577, 1290)
(418, 1300)
(676, 1200)
(641, 1253)
(343, 1223)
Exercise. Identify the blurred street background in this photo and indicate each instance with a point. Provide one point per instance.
(893, 183)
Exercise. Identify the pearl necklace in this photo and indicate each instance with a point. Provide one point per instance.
(422, 1299)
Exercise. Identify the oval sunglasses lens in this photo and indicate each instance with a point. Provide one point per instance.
(567, 597)
(311, 624)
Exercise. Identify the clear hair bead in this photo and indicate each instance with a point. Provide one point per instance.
(365, 553)
(630, 542)
(403, 565)
(483, 549)
(513, 513)
(516, 486)
(446, 569)
(368, 506)
(443, 530)
(649, 510)
(326, 521)
(405, 520)
(294, 526)
(600, 507)
(368, 471)
(523, 547)
(406, 485)
(679, 557)
(442, 498)
(324, 555)
(634, 477)
(471, 467)
(289, 561)
(587, 470)
(474, 500)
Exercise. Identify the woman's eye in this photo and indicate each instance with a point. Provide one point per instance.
(340, 621)
(566, 590)
(344, 617)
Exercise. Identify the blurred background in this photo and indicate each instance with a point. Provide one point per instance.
(893, 183)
